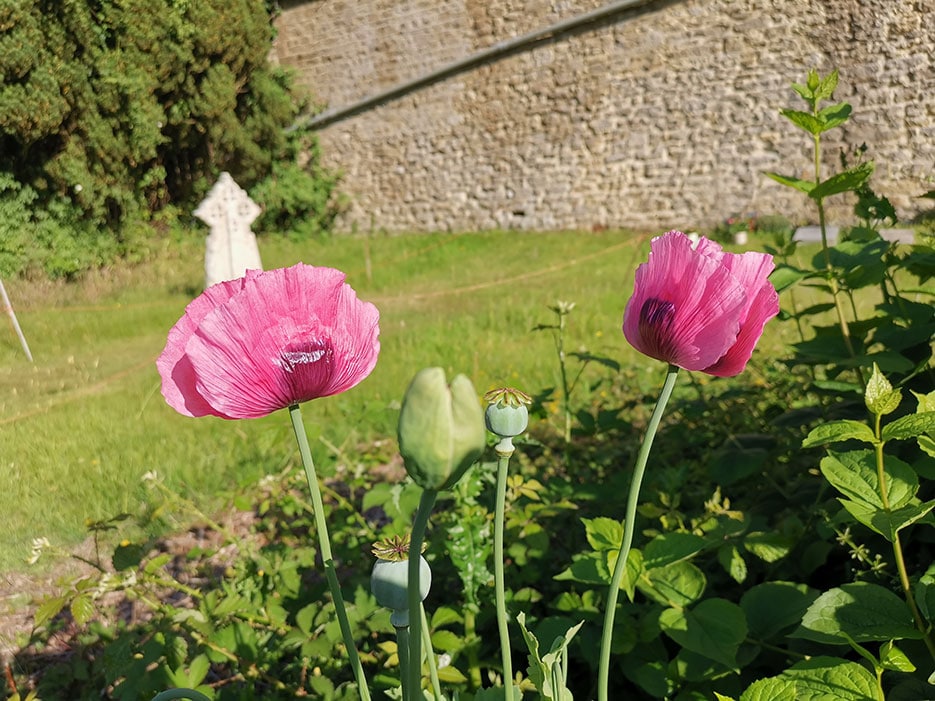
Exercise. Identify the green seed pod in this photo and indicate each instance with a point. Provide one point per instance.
(388, 582)
(506, 414)
(441, 429)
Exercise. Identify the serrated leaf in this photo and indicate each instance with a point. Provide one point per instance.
(863, 611)
(769, 547)
(444, 615)
(825, 87)
(854, 474)
(771, 689)
(671, 547)
(891, 657)
(446, 640)
(603, 533)
(837, 431)
(924, 592)
(834, 115)
(49, 609)
(925, 402)
(733, 563)
(540, 669)
(714, 629)
(804, 120)
(805, 186)
(82, 609)
(845, 181)
(817, 679)
(880, 397)
(451, 675)
(678, 584)
(785, 276)
(887, 523)
(909, 426)
(772, 607)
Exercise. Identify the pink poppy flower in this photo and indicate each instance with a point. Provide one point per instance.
(269, 340)
(700, 308)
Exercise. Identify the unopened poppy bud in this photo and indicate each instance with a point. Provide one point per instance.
(389, 580)
(506, 414)
(441, 429)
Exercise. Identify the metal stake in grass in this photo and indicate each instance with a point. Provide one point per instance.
(16, 327)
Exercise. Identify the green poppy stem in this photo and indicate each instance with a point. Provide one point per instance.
(504, 451)
(628, 528)
(402, 648)
(324, 545)
(430, 656)
(419, 526)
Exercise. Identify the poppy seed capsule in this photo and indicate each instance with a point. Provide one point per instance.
(389, 581)
(441, 429)
(505, 420)
(506, 414)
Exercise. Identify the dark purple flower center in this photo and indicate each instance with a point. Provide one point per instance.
(308, 366)
(656, 317)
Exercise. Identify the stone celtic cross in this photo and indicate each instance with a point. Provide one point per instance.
(230, 249)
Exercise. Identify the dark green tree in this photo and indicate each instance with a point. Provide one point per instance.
(112, 109)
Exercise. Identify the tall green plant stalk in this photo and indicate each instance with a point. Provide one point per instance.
(562, 310)
(324, 544)
(430, 656)
(628, 528)
(917, 617)
(426, 503)
(504, 451)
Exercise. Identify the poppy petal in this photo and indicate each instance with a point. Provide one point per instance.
(686, 306)
(293, 335)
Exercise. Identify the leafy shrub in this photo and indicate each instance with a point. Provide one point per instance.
(111, 111)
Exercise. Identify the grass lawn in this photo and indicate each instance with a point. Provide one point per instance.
(81, 426)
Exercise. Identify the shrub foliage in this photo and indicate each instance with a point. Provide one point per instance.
(111, 110)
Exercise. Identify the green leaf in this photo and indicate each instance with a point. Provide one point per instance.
(804, 120)
(887, 523)
(82, 609)
(845, 181)
(732, 561)
(825, 87)
(603, 533)
(834, 115)
(863, 611)
(449, 674)
(836, 431)
(854, 474)
(926, 402)
(714, 628)
(910, 426)
(544, 671)
(678, 584)
(817, 679)
(771, 689)
(892, 658)
(769, 547)
(785, 276)
(772, 607)
(671, 547)
(924, 593)
(880, 397)
(49, 609)
(805, 186)
(445, 615)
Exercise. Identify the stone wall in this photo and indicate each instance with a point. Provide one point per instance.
(663, 116)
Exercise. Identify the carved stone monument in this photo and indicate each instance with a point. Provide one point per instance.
(230, 249)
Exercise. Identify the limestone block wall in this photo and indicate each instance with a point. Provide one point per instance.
(664, 116)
